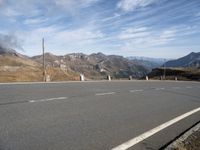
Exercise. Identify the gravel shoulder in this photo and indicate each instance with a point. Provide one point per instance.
(188, 141)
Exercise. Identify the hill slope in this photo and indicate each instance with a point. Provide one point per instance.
(191, 60)
(95, 66)
(17, 67)
(184, 68)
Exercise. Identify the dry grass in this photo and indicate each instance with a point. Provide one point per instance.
(21, 69)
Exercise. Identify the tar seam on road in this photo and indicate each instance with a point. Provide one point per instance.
(101, 94)
(153, 131)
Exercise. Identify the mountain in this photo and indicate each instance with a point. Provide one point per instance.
(191, 60)
(95, 66)
(184, 68)
(148, 62)
(17, 67)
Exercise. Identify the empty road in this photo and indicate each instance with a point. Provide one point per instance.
(117, 115)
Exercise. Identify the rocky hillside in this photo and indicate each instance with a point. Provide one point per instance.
(95, 66)
(191, 60)
(17, 67)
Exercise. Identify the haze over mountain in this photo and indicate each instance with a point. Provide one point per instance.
(148, 62)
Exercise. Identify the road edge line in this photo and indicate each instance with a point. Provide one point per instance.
(134, 141)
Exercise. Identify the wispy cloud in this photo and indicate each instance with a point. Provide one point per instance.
(197, 14)
(112, 26)
(56, 36)
(72, 3)
(132, 33)
(1, 2)
(116, 15)
(141, 38)
(130, 5)
(35, 21)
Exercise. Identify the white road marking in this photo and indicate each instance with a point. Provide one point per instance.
(175, 87)
(101, 94)
(157, 89)
(153, 131)
(188, 87)
(49, 99)
(132, 91)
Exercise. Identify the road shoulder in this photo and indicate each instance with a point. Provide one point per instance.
(190, 140)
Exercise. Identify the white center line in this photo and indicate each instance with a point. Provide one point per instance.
(175, 87)
(49, 99)
(159, 89)
(188, 87)
(132, 91)
(101, 94)
(153, 131)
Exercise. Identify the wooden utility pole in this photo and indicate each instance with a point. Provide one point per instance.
(164, 73)
(44, 68)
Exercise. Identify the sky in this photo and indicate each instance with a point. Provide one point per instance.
(149, 28)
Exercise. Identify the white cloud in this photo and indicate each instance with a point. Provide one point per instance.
(80, 35)
(131, 33)
(62, 39)
(142, 38)
(35, 21)
(130, 5)
(11, 12)
(34, 8)
(116, 15)
(197, 14)
(73, 5)
(2, 2)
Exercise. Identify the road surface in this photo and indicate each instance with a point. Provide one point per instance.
(96, 115)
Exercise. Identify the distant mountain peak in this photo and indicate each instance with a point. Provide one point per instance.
(190, 60)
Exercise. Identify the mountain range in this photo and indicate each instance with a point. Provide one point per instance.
(96, 65)
(17, 67)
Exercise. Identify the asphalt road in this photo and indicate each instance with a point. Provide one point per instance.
(94, 115)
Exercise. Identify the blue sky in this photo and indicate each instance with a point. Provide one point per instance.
(151, 28)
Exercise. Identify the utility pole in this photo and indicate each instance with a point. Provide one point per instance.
(44, 68)
(164, 75)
